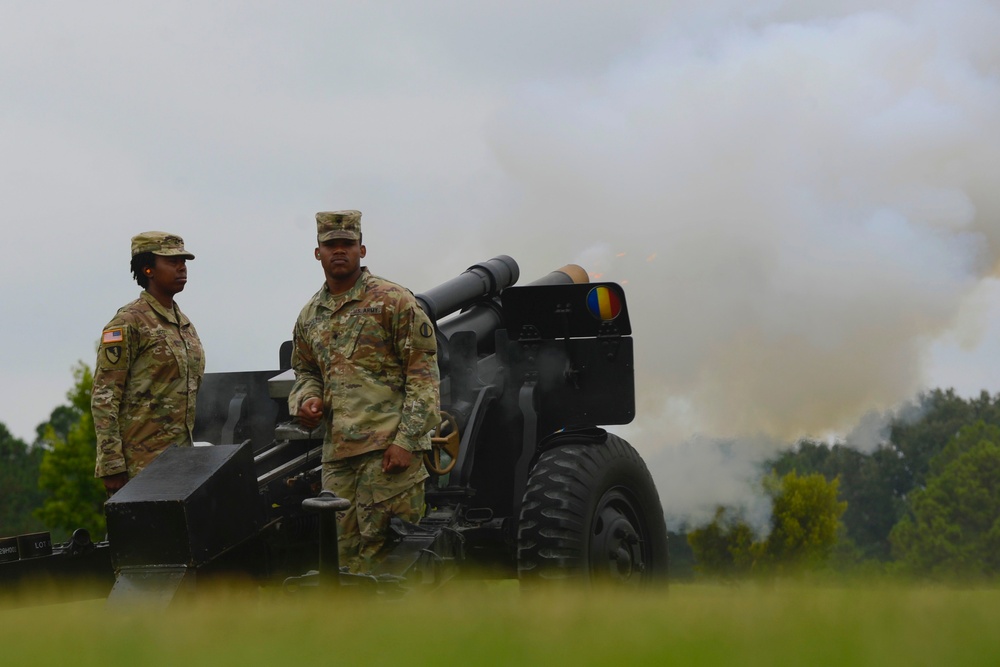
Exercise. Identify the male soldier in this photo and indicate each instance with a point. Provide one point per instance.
(365, 363)
(149, 366)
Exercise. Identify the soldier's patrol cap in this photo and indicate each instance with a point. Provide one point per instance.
(338, 225)
(160, 243)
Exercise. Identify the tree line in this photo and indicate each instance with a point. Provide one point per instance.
(49, 485)
(925, 501)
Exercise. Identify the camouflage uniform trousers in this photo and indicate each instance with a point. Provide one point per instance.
(375, 499)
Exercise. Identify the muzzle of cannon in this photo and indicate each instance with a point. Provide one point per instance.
(475, 293)
(480, 281)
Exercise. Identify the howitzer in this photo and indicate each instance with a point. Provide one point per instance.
(524, 481)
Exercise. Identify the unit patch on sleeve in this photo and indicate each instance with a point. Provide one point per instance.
(111, 356)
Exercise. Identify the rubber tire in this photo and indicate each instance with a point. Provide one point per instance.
(577, 496)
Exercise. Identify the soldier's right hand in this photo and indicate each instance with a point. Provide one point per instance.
(311, 412)
(113, 483)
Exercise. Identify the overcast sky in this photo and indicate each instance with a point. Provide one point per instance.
(799, 197)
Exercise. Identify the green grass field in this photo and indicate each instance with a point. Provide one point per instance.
(494, 624)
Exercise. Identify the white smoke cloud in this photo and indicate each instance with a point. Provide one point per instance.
(799, 203)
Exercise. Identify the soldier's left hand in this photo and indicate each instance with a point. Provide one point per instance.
(396, 459)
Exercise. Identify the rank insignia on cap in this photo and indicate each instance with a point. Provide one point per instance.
(112, 336)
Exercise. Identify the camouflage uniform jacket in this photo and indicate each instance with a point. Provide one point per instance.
(370, 354)
(146, 380)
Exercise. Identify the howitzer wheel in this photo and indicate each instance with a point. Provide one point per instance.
(591, 513)
(445, 438)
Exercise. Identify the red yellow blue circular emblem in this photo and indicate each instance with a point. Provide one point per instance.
(604, 303)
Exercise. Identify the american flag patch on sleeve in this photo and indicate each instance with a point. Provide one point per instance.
(112, 336)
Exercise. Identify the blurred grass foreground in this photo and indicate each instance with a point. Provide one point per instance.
(496, 624)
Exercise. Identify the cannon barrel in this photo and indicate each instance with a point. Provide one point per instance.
(479, 281)
(485, 316)
(571, 273)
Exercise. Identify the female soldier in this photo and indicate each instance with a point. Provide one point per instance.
(149, 366)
